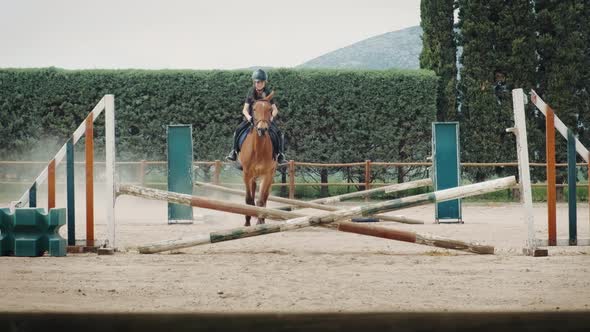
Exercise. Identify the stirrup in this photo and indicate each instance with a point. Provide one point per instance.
(233, 156)
(281, 159)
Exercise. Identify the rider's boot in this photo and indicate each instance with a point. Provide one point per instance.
(281, 160)
(233, 155)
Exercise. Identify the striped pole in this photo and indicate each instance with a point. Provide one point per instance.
(71, 194)
(60, 155)
(51, 185)
(307, 221)
(551, 186)
(407, 236)
(89, 145)
(107, 104)
(571, 187)
(560, 126)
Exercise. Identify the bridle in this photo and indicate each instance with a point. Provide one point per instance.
(256, 122)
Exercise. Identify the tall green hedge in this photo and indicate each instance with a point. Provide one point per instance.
(326, 115)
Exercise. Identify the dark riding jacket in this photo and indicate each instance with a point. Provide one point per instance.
(254, 95)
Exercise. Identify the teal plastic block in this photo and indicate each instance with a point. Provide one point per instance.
(446, 166)
(180, 170)
(6, 233)
(28, 246)
(56, 245)
(30, 232)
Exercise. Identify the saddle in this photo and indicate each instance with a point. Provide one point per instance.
(274, 138)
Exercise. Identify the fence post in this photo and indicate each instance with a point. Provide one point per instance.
(515, 192)
(217, 172)
(551, 188)
(142, 165)
(367, 177)
(284, 190)
(71, 193)
(291, 179)
(571, 187)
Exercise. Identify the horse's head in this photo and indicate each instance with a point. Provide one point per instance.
(262, 112)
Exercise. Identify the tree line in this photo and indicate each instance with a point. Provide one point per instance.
(482, 50)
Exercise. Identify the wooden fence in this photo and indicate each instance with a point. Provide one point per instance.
(291, 167)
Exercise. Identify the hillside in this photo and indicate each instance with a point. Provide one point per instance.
(396, 49)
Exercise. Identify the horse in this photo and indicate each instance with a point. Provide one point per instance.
(256, 155)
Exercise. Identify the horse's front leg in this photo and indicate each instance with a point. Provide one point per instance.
(250, 183)
(264, 193)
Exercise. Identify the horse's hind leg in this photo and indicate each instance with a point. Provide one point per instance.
(250, 192)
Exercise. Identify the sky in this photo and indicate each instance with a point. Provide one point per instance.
(183, 34)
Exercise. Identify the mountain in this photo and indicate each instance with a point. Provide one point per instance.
(397, 49)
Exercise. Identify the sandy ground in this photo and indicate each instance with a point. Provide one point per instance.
(310, 270)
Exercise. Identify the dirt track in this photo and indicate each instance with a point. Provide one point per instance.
(312, 269)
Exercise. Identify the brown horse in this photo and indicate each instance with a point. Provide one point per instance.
(256, 155)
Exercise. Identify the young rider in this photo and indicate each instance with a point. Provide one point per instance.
(258, 91)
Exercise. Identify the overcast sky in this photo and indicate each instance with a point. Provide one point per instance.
(222, 34)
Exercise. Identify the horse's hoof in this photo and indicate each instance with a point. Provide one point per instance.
(260, 223)
(247, 224)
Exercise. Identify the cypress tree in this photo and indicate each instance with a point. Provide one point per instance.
(564, 70)
(516, 65)
(439, 52)
(479, 111)
(497, 40)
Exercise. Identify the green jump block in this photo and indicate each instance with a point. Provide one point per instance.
(6, 233)
(180, 170)
(30, 232)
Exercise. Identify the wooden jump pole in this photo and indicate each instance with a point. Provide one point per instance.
(363, 193)
(407, 236)
(396, 187)
(206, 203)
(307, 221)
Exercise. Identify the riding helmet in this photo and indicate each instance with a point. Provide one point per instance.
(259, 75)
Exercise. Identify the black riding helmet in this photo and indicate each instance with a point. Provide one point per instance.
(259, 75)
